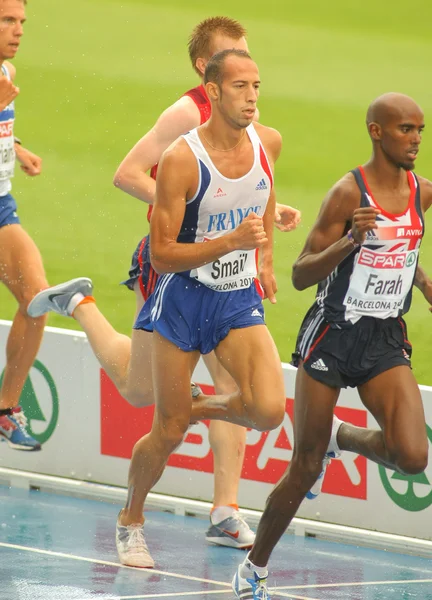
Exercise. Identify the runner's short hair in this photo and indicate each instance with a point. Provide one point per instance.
(214, 71)
(201, 38)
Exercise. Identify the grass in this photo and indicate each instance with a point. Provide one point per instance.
(95, 74)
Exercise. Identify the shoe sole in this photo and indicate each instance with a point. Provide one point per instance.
(128, 564)
(3, 438)
(228, 543)
(36, 308)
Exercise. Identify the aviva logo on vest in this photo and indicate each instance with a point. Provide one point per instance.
(219, 194)
(262, 185)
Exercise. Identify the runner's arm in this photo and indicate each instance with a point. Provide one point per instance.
(424, 284)
(266, 270)
(425, 193)
(326, 245)
(177, 180)
(272, 141)
(131, 176)
(31, 163)
(421, 280)
(12, 90)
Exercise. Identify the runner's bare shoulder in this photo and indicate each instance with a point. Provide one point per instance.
(425, 192)
(183, 115)
(178, 158)
(271, 139)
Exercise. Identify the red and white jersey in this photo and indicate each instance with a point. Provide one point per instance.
(376, 279)
(219, 206)
(199, 96)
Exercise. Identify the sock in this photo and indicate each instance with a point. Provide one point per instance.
(248, 568)
(220, 513)
(77, 300)
(333, 446)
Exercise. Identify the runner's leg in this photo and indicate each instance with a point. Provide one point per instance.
(313, 414)
(394, 399)
(22, 271)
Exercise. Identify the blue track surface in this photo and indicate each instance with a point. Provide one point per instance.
(55, 547)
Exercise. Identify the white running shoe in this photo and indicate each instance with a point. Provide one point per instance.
(250, 588)
(61, 299)
(131, 546)
(233, 532)
(333, 451)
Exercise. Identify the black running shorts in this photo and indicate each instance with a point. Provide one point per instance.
(351, 355)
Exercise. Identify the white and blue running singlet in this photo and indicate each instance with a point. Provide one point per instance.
(218, 207)
(196, 309)
(7, 149)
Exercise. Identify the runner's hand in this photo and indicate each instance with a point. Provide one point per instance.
(250, 234)
(30, 163)
(364, 220)
(286, 217)
(8, 92)
(269, 285)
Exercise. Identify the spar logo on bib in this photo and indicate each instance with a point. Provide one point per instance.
(410, 492)
(383, 260)
(6, 129)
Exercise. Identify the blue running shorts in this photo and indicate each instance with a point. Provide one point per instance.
(8, 211)
(194, 317)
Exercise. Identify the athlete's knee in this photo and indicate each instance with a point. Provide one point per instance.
(25, 294)
(138, 398)
(412, 462)
(268, 416)
(171, 431)
(38, 322)
(309, 463)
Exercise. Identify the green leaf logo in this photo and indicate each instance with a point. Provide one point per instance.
(411, 259)
(32, 406)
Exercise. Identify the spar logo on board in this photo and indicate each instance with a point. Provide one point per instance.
(267, 453)
(40, 402)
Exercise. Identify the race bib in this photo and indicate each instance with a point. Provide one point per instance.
(7, 150)
(379, 284)
(234, 271)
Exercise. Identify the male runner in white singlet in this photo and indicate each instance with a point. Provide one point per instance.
(128, 362)
(214, 207)
(21, 268)
(363, 254)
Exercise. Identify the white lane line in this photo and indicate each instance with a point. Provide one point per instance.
(168, 595)
(288, 595)
(352, 584)
(112, 564)
(200, 593)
